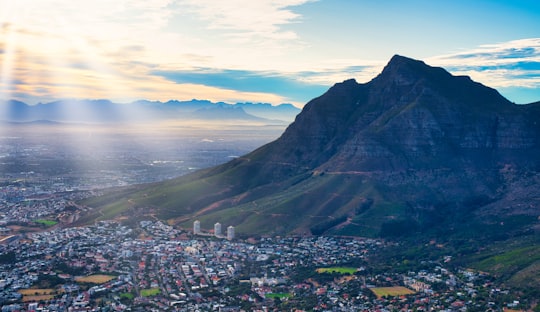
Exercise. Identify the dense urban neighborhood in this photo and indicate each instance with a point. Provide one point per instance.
(152, 266)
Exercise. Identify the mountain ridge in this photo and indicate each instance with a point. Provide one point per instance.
(414, 149)
(105, 111)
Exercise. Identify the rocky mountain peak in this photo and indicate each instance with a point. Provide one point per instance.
(411, 115)
(404, 71)
(403, 75)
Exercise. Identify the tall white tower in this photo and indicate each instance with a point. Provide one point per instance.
(230, 232)
(217, 229)
(197, 227)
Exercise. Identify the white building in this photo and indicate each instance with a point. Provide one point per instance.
(196, 227)
(217, 229)
(230, 232)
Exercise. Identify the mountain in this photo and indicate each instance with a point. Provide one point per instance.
(265, 110)
(14, 110)
(105, 111)
(415, 151)
(225, 112)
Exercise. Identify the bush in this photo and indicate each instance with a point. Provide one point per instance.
(324, 226)
(397, 228)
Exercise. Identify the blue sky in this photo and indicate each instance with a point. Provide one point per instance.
(273, 51)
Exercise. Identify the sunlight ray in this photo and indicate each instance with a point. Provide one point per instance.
(8, 59)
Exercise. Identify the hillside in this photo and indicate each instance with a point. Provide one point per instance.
(415, 149)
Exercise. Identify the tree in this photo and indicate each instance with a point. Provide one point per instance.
(8, 258)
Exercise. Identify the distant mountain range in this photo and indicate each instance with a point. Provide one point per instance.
(415, 153)
(104, 111)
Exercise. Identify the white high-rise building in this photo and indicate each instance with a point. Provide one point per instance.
(230, 232)
(217, 229)
(197, 227)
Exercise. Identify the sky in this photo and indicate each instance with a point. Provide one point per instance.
(273, 51)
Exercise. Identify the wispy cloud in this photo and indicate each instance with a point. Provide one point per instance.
(296, 86)
(99, 48)
(509, 64)
(512, 67)
(247, 20)
(339, 71)
(249, 81)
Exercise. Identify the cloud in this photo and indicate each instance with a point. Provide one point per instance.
(248, 81)
(512, 67)
(37, 78)
(105, 49)
(247, 20)
(329, 75)
(499, 52)
(519, 65)
(218, 50)
(512, 64)
(510, 51)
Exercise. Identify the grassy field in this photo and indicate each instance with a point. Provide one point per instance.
(46, 222)
(150, 292)
(391, 291)
(128, 296)
(95, 279)
(340, 270)
(278, 295)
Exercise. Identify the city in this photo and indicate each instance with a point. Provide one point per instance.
(152, 266)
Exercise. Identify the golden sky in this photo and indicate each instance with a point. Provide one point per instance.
(273, 51)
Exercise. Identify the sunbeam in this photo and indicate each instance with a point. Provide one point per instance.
(7, 51)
